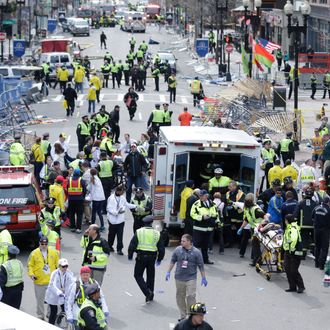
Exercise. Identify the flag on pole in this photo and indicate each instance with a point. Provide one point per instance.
(245, 60)
(263, 57)
(259, 66)
(268, 45)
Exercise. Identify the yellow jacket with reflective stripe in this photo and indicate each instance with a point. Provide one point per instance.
(57, 191)
(185, 194)
(95, 80)
(63, 74)
(289, 170)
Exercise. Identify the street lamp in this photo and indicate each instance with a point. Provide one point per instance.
(20, 3)
(296, 30)
(254, 22)
(3, 5)
(220, 9)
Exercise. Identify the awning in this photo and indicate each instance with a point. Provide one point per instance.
(9, 22)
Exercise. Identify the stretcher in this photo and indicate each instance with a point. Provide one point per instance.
(270, 236)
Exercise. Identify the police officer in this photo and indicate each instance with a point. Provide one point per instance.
(114, 72)
(101, 118)
(155, 74)
(46, 71)
(313, 85)
(321, 220)
(130, 58)
(172, 83)
(205, 217)
(292, 255)
(132, 43)
(126, 70)
(105, 69)
(156, 118)
(52, 212)
(141, 76)
(144, 207)
(45, 144)
(83, 131)
(11, 279)
(5, 241)
(219, 183)
(196, 90)
(167, 115)
(91, 315)
(326, 85)
(150, 249)
(17, 152)
(279, 58)
(268, 157)
(286, 148)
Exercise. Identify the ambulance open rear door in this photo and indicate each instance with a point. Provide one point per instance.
(248, 175)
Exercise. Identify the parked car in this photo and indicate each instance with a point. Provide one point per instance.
(18, 71)
(167, 55)
(80, 26)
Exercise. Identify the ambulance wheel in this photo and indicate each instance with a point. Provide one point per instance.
(268, 277)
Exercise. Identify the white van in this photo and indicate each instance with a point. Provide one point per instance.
(184, 152)
(79, 26)
(57, 59)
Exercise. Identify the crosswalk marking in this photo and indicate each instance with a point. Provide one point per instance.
(162, 98)
(120, 97)
(80, 97)
(141, 97)
(184, 100)
(101, 97)
(58, 98)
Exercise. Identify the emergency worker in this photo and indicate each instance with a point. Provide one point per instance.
(167, 115)
(306, 174)
(290, 171)
(105, 69)
(63, 77)
(285, 148)
(45, 144)
(155, 74)
(144, 208)
(5, 241)
(150, 249)
(196, 90)
(317, 145)
(156, 118)
(17, 152)
(83, 131)
(57, 192)
(52, 212)
(275, 172)
(268, 157)
(185, 194)
(219, 183)
(47, 230)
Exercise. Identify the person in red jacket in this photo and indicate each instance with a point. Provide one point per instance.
(185, 117)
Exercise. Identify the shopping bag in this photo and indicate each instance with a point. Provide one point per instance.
(65, 104)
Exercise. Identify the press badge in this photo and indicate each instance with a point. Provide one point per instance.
(46, 269)
(184, 264)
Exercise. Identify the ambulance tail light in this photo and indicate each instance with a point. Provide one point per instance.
(162, 151)
(245, 147)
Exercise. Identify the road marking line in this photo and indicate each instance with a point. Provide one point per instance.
(162, 98)
(80, 97)
(120, 97)
(57, 98)
(172, 325)
(140, 115)
(101, 97)
(129, 294)
(184, 100)
(141, 97)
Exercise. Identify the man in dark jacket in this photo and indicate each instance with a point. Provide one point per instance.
(114, 123)
(269, 193)
(188, 222)
(289, 205)
(134, 165)
(288, 186)
(70, 95)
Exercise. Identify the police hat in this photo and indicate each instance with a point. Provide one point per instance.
(289, 134)
(139, 190)
(203, 192)
(91, 289)
(157, 105)
(148, 219)
(50, 223)
(83, 117)
(17, 137)
(50, 200)
(45, 134)
(13, 249)
(276, 182)
(43, 239)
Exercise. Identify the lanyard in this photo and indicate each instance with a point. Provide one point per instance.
(45, 260)
(64, 280)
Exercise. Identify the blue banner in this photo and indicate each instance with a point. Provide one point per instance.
(19, 47)
(52, 23)
(202, 46)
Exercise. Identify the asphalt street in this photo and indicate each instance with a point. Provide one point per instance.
(233, 302)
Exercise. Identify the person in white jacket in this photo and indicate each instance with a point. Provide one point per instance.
(97, 197)
(116, 207)
(306, 174)
(60, 282)
(76, 296)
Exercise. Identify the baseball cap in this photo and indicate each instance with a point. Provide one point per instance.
(13, 249)
(63, 262)
(50, 200)
(91, 289)
(203, 192)
(43, 239)
(63, 135)
(85, 269)
(60, 178)
(148, 219)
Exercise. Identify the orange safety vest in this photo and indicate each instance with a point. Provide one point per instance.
(75, 187)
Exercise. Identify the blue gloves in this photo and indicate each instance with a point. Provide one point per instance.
(71, 321)
(158, 263)
(106, 314)
(240, 231)
(168, 276)
(204, 282)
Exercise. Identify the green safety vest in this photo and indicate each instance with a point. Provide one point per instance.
(106, 69)
(172, 82)
(105, 168)
(17, 154)
(125, 67)
(147, 239)
(75, 163)
(197, 213)
(14, 269)
(52, 236)
(45, 68)
(46, 173)
(108, 58)
(222, 182)
(130, 56)
(115, 68)
(285, 145)
(97, 251)
(327, 78)
(211, 36)
(100, 317)
(167, 116)
(158, 116)
(139, 54)
(195, 86)
(307, 175)
(141, 203)
(144, 47)
(102, 119)
(155, 73)
(107, 142)
(81, 297)
(5, 241)
(324, 131)
(44, 146)
(132, 42)
(85, 128)
(250, 216)
(52, 216)
(291, 237)
(268, 155)
(313, 80)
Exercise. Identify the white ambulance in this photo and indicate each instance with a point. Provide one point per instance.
(183, 153)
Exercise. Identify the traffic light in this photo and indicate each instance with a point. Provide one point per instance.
(228, 39)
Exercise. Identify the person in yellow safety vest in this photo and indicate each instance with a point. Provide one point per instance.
(63, 77)
(91, 315)
(114, 72)
(205, 217)
(52, 212)
(167, 115)
(102, 117)
(143, 47)
(41, 263)
(46, 71)
(105, 69)
(291, 80)
(268, 157)
(139, 55)
(326, 85)
(172, 83)
(317, 145)
(83, 131)
(78, 77)
(286, 148)
(17, 152)
(186, 192)
(91, 97)
(156, 60)
(275, 172)
(306, 174)
(289, 170)
(11, 279)
(76, 164)
(155, 74)
(211, 38)
(219, 183)
(292, 255)
(106, 144)
(47, 230)
(156, 118)
(57, 192)
(96, 252)
(144, 208)
(45, 144)
(150, 250)
(5, 241)
(324, 128)
(132, 43)
(130, 58)
(252, 216)
(196, 89)
(95, 80)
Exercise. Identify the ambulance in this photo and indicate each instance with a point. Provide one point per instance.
(184, 152)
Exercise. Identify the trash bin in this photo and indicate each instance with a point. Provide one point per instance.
(279, 97)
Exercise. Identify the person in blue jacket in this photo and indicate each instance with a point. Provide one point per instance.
(275, 206)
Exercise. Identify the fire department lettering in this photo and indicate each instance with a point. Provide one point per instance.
(11, 201)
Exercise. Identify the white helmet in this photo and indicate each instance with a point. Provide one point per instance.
(218, 170)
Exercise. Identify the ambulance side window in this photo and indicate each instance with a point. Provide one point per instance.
(248, 175)
(181, 171)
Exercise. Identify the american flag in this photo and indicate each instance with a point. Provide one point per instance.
(268, 45)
